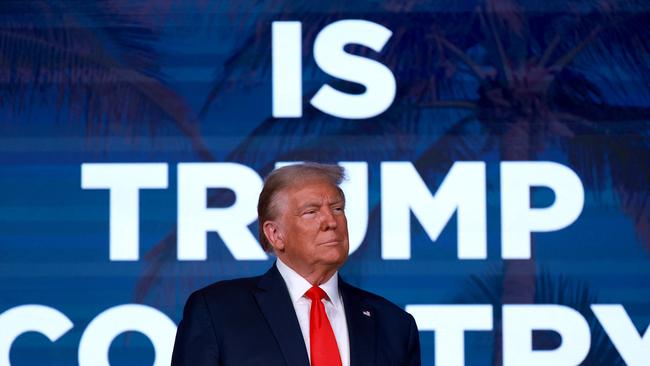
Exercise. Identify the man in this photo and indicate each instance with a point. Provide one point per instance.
(299, 312)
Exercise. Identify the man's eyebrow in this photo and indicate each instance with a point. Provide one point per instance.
(336, 201)
(308, 204)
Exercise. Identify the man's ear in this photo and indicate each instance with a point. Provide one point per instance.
(274, 235)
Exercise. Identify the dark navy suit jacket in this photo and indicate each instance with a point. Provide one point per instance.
(251, 321)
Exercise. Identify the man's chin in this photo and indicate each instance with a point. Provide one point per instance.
(335, 258)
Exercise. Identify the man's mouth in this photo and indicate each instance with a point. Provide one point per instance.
(331, 242)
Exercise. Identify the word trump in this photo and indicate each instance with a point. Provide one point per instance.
(403, 192)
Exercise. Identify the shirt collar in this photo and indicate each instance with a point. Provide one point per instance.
(298, 285)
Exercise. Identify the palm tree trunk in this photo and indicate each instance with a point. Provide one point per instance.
(519, 276)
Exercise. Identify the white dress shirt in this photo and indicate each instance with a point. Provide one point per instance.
(297, 286)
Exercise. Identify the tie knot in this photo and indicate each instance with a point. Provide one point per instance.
(316, 293)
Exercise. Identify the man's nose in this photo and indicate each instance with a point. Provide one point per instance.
(328, 221)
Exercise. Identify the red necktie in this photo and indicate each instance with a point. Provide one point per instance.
(322, 343)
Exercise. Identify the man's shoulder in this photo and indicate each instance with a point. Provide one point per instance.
(379, 303)
(227, 290)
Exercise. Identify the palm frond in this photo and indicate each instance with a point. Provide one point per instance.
(92, 62)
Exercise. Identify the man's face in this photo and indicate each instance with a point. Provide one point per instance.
(313, 226)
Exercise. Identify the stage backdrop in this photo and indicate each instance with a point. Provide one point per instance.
(498, 160)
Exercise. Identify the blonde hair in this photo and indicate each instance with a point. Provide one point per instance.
(286, 177)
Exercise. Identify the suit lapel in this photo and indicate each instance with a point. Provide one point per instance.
(273, 299)
(361, 326)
